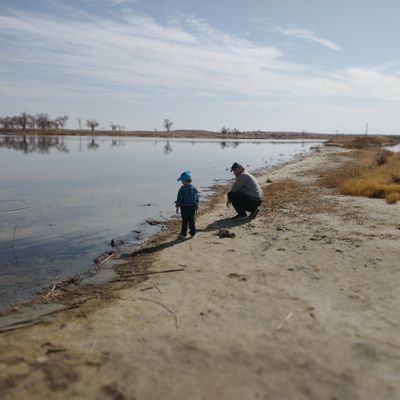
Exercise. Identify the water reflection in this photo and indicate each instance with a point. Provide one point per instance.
(44, 144)
(92, 145)
(34, 144)
(233, 145)
(167, 148)
(117, 143)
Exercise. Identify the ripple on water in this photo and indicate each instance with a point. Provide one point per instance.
(13, 205)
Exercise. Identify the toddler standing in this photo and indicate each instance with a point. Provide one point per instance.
(187, 202)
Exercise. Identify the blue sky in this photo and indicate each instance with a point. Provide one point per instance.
(279, 65)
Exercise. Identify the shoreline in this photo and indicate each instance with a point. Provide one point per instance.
(299, 303)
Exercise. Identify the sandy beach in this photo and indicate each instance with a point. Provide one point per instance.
(300, 303)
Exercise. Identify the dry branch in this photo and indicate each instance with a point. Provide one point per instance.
(163, 306)
(153, 272)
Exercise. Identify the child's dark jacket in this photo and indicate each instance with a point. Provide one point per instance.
(187, 196)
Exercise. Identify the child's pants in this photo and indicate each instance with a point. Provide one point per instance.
(188, 218)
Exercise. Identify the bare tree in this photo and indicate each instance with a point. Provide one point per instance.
(43, 121)
(167, 124)
(61, 121)
(9, 122)
(114, 127)
(5, 122)
(31, 121)
(15, 121)
(92, 124)
(23, 120)
(79, 119)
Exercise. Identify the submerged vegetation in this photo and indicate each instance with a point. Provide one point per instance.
(372, 172)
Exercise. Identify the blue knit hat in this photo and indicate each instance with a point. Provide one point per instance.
(185, 176)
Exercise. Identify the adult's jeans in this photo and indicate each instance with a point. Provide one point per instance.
(242, 203)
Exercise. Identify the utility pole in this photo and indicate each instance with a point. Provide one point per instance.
(366, 129)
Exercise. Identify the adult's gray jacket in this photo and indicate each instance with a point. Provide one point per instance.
(247, 184)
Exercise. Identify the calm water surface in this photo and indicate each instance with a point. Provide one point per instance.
(395, 148)
(64, 198)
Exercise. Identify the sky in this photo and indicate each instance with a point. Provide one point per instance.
(330, 66)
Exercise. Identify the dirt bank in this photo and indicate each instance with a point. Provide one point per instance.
(301, 303)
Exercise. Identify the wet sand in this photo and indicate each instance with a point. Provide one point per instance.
(300, 303)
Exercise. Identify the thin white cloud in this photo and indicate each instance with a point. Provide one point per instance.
(308, 35)
(119, 2)
(136, 57)
(137, 51)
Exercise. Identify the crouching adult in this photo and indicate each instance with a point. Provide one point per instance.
(246, 194)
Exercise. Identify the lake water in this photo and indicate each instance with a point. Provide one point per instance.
(64, 198)
(395, 148)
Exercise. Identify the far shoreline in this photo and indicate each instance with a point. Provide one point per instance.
(181, 133)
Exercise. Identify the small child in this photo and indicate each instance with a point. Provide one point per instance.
(187, 202)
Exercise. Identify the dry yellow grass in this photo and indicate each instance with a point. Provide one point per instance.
(279, 194)
(372, 173)
(392, 198)
(364, 142)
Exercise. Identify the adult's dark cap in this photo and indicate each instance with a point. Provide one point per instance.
(236, 165)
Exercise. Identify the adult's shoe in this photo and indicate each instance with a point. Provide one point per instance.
(254, 213)
(240, 216)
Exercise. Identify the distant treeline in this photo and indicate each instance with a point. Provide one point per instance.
(44, 121)
(29, 121)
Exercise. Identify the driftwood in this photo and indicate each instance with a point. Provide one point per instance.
(106, 259)
(103, 258)
(55, 350)
(152, 273)
(151, 287)
(51, 291)
(280, 326)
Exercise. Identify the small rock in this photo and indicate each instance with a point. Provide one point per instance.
(225, 233)
(239, 277)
